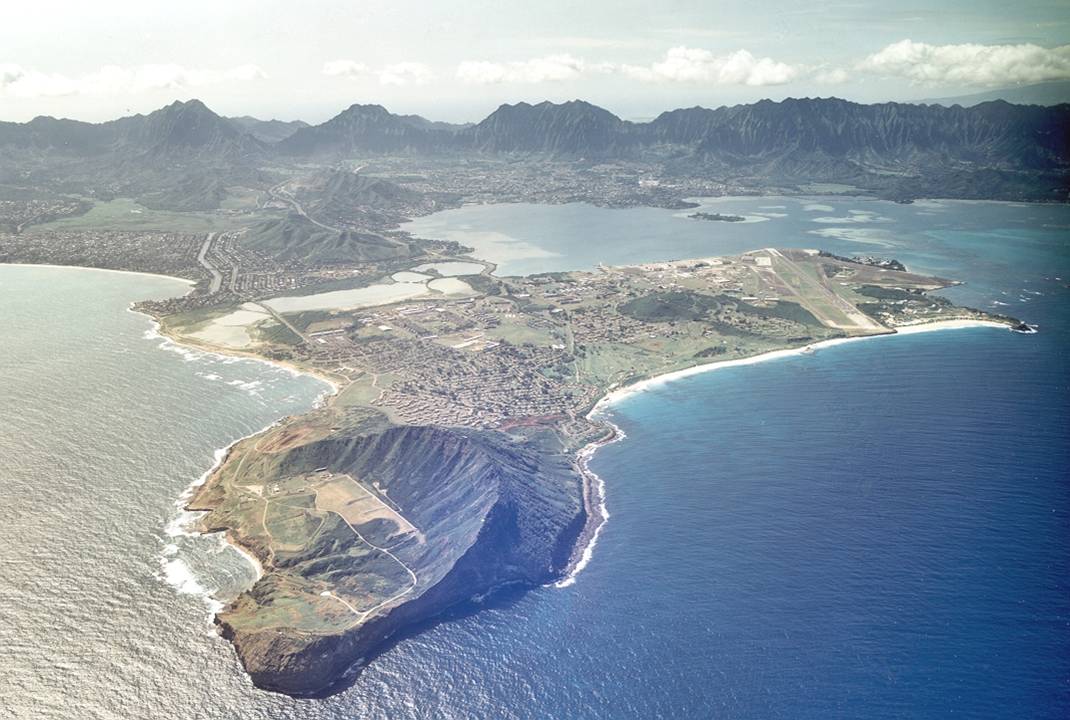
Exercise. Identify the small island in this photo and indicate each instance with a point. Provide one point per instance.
(716, 217)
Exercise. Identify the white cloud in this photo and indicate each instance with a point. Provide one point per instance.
(831, 76)
(345, 68)
(16, 81)
(10, 73)
(681, 64)
(970, 64)
(695, 65)
(405, 73)
(545, 69)
(481, 72)
(402, 73)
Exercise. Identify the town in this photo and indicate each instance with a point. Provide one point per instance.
(502, 352)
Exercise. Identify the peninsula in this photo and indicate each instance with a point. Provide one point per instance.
(449, 462)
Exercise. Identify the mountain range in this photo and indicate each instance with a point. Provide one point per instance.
(994, 131)
(187, 129)
(268, 131)
(1056, 92)
(793, 140)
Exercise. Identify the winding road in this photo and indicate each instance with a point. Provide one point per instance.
(362, 615)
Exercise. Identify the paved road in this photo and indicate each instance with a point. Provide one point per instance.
(271, 311)
(280, 194)
(217, 277)
(363, 615)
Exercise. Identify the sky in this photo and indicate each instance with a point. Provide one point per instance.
(457, 61)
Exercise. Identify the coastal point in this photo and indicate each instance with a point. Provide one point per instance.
(450, 462)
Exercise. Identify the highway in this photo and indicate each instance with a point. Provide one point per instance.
(217, 277)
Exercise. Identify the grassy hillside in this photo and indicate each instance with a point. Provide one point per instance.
(295, 238)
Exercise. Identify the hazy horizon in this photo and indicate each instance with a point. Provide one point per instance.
(459, 62)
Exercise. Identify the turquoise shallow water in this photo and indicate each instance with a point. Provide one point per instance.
(524, 238)
(877, 530)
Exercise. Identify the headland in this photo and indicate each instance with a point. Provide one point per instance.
(452, 460)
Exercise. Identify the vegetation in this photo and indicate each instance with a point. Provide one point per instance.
(128, 214)
(277, 333)
(296, 238)
(712, 351)
(891, 293)
(685, 305)
(671, 306)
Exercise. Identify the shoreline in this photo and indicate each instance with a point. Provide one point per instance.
(182, 579)
(189, 282)
(617, 395)
(594, 485)
(180, 525)
(253, 559)
(594, 488)
(183, 523)
(190, 346)
(594, 503)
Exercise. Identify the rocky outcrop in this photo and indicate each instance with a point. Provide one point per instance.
(574, 128)
(367, 128)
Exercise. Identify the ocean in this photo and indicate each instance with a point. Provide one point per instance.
(880, 529)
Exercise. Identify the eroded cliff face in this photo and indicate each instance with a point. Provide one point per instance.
(472, 512)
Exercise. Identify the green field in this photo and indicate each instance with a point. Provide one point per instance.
(126, 214)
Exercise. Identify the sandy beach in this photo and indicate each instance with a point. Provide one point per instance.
(619, 394)
(86, 267)
(191, 345)
(245, 554)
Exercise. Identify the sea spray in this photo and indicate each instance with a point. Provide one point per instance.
(174, 569)
(230, 357)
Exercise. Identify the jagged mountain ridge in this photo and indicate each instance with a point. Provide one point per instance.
(572, 128)
(996, 133)
(368, 128)
(267, 131)
(994, 149)
(182, 130)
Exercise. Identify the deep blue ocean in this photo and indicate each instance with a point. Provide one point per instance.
(881, 529)
(877, 530)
